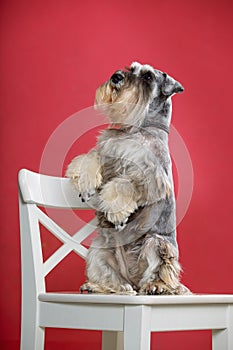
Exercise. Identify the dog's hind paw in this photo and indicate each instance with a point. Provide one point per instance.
(160, 288)
(183, 290)
(156, 288)
(90, 287)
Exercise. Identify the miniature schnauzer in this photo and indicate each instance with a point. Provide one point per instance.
(130, 173)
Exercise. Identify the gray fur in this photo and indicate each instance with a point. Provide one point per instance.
(136, 192)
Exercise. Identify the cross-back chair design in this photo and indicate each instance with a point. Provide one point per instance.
(126, 321)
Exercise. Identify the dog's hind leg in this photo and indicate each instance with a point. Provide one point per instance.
(103, 275)
(163, 271)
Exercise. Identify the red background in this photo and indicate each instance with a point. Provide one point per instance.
(54, 54)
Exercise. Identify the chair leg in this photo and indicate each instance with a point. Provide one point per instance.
(219, 339)
(137, 327)
(32, 335)
(112, 340)
(222, 339)
(34, 340)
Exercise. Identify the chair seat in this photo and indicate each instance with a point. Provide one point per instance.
(71, 297)
(119, 312)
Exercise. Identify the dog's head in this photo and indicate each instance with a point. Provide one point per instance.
(137, 94)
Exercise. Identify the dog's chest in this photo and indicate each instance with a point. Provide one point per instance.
(124, 150)
(124, 154)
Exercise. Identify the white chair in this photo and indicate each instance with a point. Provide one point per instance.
(126, 321)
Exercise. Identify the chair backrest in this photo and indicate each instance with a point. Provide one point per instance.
(35, 191)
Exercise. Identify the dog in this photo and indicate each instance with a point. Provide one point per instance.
(130, 175)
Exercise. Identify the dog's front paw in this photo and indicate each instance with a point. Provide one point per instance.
(85, 173)
(121, 226)
(85, 185)
(119, 219)
(117, 201)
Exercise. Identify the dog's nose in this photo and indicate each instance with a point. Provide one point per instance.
(117, 77)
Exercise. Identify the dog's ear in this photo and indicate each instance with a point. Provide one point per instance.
(170, 86)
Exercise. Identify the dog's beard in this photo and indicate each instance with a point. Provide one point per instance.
(127, 107)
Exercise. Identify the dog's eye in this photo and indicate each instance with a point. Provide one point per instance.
(148, 76)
